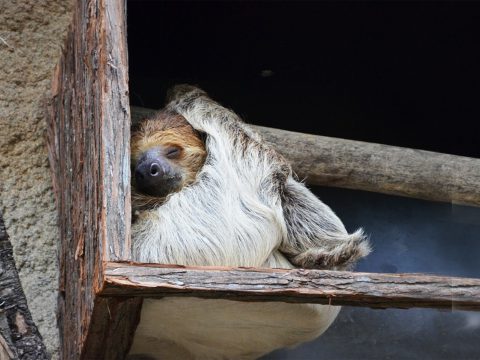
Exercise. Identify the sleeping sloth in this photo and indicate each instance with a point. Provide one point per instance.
(208, 191)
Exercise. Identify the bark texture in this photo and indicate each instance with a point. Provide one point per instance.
(326, 161)
(298, 286)
(19, 337)
(112, 328)
(88, 138)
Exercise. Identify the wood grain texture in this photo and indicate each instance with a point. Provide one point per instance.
(327, 161)
(88, 140)
(296, 286)
(19, 337)
(113, 326)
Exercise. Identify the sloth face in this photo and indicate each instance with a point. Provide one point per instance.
(167, 154)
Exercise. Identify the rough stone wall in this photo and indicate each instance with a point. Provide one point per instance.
(32, 34)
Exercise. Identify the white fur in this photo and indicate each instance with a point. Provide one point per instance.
(245, 209)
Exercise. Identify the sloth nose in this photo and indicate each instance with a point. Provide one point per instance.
(147, 170)
(154, 176)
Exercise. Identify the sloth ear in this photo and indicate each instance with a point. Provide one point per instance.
(316, 238)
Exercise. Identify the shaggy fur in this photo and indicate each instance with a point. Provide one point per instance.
(244, 209)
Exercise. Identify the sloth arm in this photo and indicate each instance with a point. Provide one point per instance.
(316, 237)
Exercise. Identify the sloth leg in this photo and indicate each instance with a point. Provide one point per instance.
(316, 238)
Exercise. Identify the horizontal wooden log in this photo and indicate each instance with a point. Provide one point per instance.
(379, 168)
(327, 161)
(295, 286)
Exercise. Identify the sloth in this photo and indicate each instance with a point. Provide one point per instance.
(207, 190)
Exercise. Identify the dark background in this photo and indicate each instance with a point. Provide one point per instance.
(404, 74)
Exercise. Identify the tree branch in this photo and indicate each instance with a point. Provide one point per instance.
(19, 337)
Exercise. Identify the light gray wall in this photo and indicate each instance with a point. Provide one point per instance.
(32, 33)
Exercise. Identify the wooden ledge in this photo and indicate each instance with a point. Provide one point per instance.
(296, 286)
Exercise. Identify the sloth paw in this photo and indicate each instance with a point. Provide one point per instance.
(341, 254)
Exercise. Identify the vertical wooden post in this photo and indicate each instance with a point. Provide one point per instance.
(89, 133)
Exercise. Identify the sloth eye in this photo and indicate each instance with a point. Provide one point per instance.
(173, 152)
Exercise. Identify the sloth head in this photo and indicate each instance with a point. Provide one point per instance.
(167, 154)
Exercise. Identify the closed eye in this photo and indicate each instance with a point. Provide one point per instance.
(173, 152)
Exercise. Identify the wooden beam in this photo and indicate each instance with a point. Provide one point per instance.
(380, 168)
(296, 286)
(88, 143)
(112, 328)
